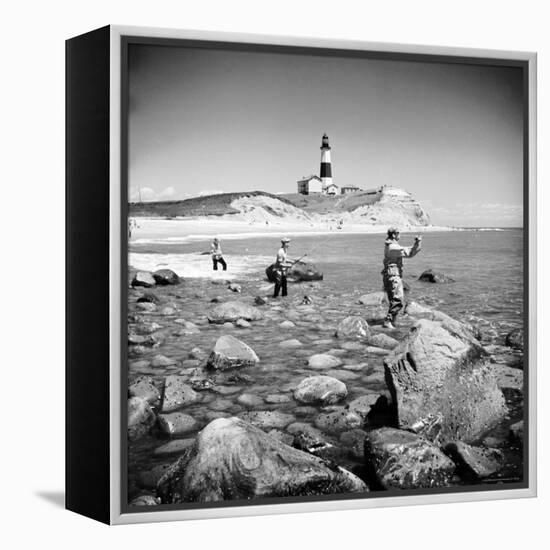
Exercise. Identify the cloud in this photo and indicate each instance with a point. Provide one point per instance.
(476, 214)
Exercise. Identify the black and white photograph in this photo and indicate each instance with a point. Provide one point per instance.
(326, 290)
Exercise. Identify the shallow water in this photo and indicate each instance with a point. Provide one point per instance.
(488, 291)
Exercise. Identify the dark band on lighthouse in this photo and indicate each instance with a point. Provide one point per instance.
(326, 170)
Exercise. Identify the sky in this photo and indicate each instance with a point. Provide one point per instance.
(209, 120)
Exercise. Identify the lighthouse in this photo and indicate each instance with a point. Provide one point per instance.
(326, 167)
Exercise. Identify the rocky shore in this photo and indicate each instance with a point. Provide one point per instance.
(235, 395)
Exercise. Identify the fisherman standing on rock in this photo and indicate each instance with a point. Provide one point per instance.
(281, 267)
(392, 273)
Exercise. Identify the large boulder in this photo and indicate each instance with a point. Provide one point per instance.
(474, 462)
(375, 306)
(404, 460)
(320, 390)
(300, 271)
(456, 328)
(232, 459)
(431, 276)
(166, 277)
(233, 311)
(144, 279)
(353, 326)
(443, 384)
(177, 394)
(140, 417)
(230, 353)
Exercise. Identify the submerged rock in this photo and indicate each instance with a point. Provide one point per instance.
(249, 400)
(234, 287)
(324, 361)
(431, 276)
(162, 361)
(267, 420)
(376, 306)
(175, 446)
(443, 382)
(477, 462)
(232, 311)
(354, 441)
(177, 394)
(235, 460)
(149, 297)
(322, 390)
(230, 353)
(300, 271)
(382, 341)
(166, 277)
(403, 460)
(352, 327)
(144, 279)
(140, 417)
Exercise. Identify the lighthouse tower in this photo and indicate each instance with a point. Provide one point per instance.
(326, 167)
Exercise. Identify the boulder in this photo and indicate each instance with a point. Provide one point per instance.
(143, 278)
(404, 460)
(476, 462)
(514, 339)
(230, 353)
(300, 271)
(352, 327)
(177, 394)
(382, 341)
(443, 383)
(241, 323)
(376, 306)
(260, 301)
(321, 390)
(338, 421)
(431, 276)
(149, 297)
(166, 277)
(140, 417)
(287, 324)
(234, 287)
(324, 361)
(362, 405)
(176, 423)
(232, 311)
(143, 387)
(267, 420)
(234, 460)
(456, 328)
(354, 442)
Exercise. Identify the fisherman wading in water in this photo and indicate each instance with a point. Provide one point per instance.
(281, 268)
(216, 252)
(392, 273)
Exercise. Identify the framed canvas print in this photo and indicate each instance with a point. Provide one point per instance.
(309, 272)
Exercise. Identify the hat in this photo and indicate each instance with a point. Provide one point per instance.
(392, 231)
(285, 240)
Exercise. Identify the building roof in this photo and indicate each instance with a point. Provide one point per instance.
(309, 178)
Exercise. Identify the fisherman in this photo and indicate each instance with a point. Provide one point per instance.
(392, 273)
(281, 268)
(216, 253)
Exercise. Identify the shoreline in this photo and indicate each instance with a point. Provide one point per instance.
(161, 230)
